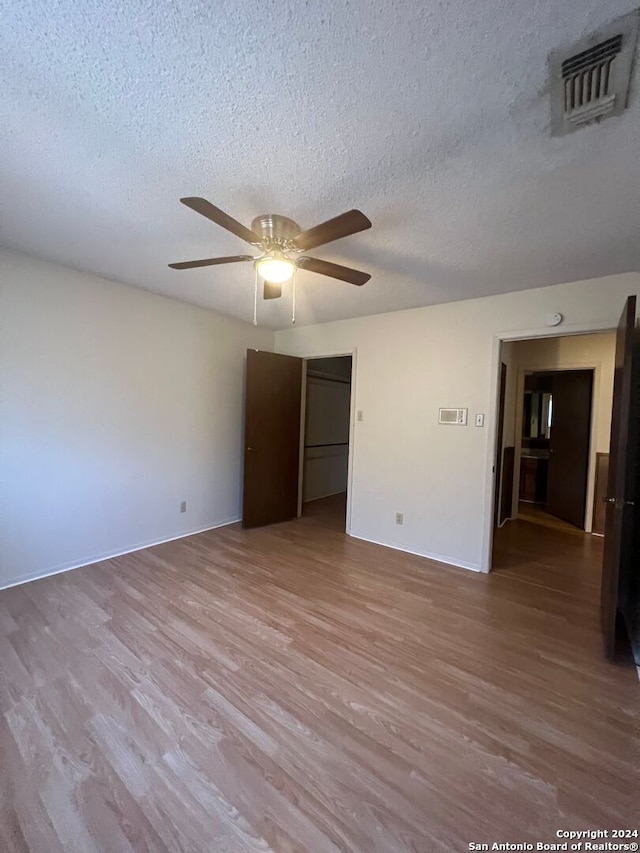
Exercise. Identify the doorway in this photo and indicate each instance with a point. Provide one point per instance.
(533, 368)
(325, 439)
(554, 446)
(557, 396)
(275, 435)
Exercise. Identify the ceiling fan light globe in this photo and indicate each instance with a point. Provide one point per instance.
(275, 270)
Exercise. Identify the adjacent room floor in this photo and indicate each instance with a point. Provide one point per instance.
(536, 514)
(293, 689)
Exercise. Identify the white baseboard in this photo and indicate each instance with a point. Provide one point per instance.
(99, 558)
(439, 558)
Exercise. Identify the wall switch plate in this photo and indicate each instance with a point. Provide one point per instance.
(399, 518)
(360, 415)
(480, 420)
(183, 506)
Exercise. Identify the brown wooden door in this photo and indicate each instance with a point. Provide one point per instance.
(569, 445)
(498, 497)
(271, 438)
(623, 451)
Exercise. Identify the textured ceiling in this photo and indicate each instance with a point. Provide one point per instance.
(433, 118)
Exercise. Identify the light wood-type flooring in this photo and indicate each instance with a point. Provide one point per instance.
(536, 514)
(293, 689)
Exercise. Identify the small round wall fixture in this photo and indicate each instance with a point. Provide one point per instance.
(554, 319)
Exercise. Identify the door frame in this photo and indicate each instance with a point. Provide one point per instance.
(596, 367)
(563, 330)
(311, 356)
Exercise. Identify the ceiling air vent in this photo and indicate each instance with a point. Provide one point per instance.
(590, 80)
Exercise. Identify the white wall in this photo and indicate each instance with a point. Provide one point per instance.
(568, 353)
(116, 404)
(407, 365)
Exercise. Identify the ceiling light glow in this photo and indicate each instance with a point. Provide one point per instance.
(275, 269)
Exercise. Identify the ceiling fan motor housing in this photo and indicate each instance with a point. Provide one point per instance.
(276, 231)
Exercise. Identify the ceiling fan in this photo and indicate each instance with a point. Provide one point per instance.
(281, 242)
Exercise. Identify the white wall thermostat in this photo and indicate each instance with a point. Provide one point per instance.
(453, 416)
(554, 319)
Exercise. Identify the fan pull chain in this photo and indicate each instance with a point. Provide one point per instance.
(293, 306)
(255, 302)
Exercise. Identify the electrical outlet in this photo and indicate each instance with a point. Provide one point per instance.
(183, 506)
(399, 518)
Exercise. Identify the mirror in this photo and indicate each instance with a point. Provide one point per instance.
(538, 414)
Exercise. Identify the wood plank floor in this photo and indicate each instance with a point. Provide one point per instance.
(536, 514)
(292, 689)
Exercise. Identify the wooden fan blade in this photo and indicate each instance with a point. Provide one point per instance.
(205, 208)
(271, 290)
(334, 270)
(209, 262)
(340, 226)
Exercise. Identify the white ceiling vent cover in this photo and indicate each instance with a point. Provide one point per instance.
(590, 80)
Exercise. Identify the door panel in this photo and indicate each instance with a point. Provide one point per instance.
(272, 438)
(623, 450)
(506, 500)
(569, 445)
(499, 497)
